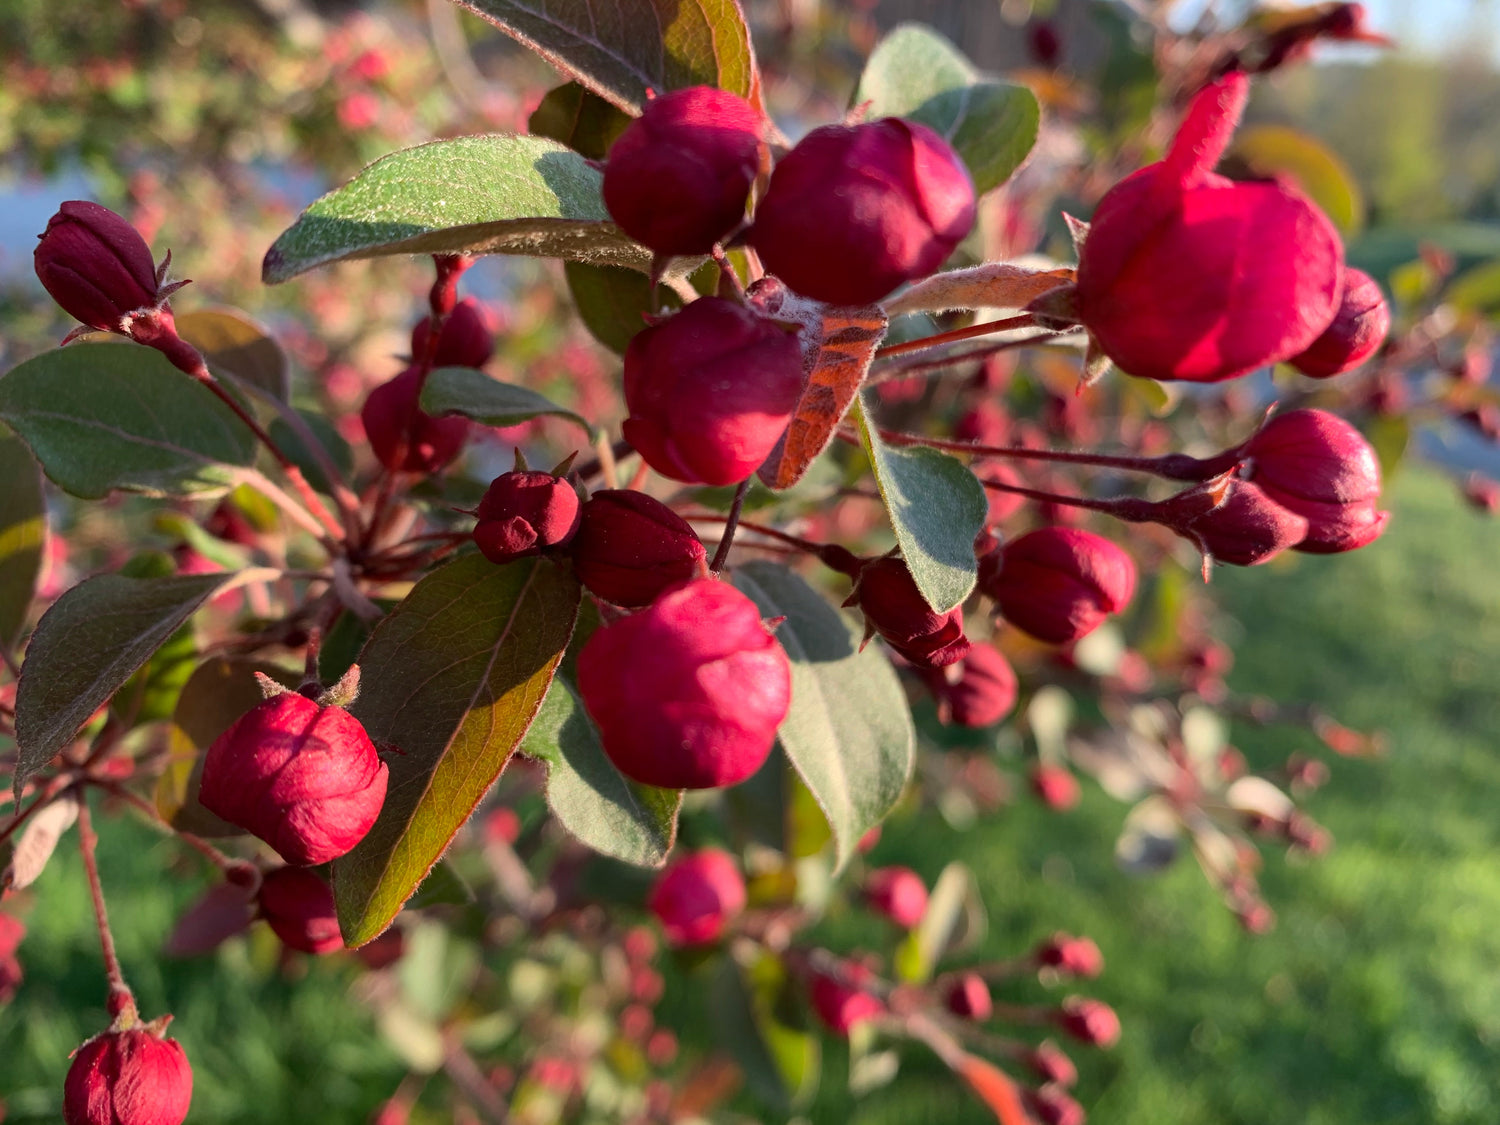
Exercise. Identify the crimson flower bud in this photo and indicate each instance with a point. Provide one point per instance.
(710, 391)
(12, 930)
(969, 998)
(679, 176)
(1359, 328)
(467, 338)
(1056, 787)
(1319, 466)
(1056, 1107)
(896, 609)
(986, 688)
(1089, 1021)
(839, 1001)
(131, 1077)
(630, 547)
(1058, 583)
(299, 908)
(855, 210)
(697, 896)
(1052, 1065)
(897, 893)
(1188, 275)
(304, 778)
(1247, 529)
(687, 693)
(95, 265)
(404, 437)
(1075, 956)
(523, 513)
(661, 1048)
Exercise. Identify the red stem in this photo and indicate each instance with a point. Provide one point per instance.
(731, 523)
(956, 335)
(928, 366)
(1172, 466)
(120, 998)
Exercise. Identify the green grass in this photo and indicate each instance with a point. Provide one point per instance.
(1375, 1002)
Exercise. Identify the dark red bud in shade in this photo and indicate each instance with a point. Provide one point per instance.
(855, 210)
(839, 1003)
(968, 997)
(1320, 467)
(986, 688)
(1043, 40)
(1055, 786)
(405, 438)
(1058, 584)
(1052, 1065)
(95, 265)
(467, 338)
(1055, 1107)
(1247, 529)
(304, 778)
(897, 893)
(1188, 275)
(131, 1077)
(893, 606)
(1075, 956)
(1359, 328)
(679, 176)
(1090, 1021)
(299, 908)
(687, 693)
(523, 513)
(630, 547)
(697, 896)
(710, 391)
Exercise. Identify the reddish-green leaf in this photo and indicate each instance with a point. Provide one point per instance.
(611, 301)
(450, 681)
(580, 119)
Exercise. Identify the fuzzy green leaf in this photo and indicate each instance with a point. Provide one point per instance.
(463, 390)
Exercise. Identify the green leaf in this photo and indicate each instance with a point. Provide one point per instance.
(450, 681)
(1267, 151)
(106, 416)
(498, 194)
(580, 119)
(849, 731)
(782, 1063)
(328, 437)
(23, 531)
(90, 642)
(611, 301)
(589, 796)
(152, 693)
(462, 390)
(936, 507)
(917, 74)
(231, 342)
(442, 887)
(620, 50)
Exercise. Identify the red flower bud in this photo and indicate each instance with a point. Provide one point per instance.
(523, 513)
(1319, 466)
(679, 176)
(1058, 583)
(299, 908)
(1188, 275)
(1055, 786)
(1248, 528)
(855, 210)
(710, 391)
(1359, 328)
(661, 1048)
(467, 338)
(95, 265)
(1052, 1065)
(968, 997)
(133, 1077)
(896, 609)
(843, 1006)
(402, 436)
(304, 778)
(688, 693)
(1090, 1021)
(12, 930)
(630, 547)
(986, 688)
(697, 896)
(1055, 1107)
(1075, 956)
(897, 893)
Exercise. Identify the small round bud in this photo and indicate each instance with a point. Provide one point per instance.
(467, 338)
(523, 514)
(710, 391)
(305, 779)
(1073, 956)
(132, 1077)
(853, 211)
(299, 908)
(1055, 1107)
(630, 547)
(1058, 583)
(697, 896)
(1359, 328)
(1247, 529)
(893, 606)
(661, 1048)
(12, 930)
(968, 998)
(688, 693)
(1089, 1021)
(839, 1002)
(678, 178)
(986, 689)
(95, 265)
(897, 893)
(1050, 1063)
(405, 438)
(1055, 786)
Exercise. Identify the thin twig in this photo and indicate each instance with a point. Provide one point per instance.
(731, 522)
(120, 998)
